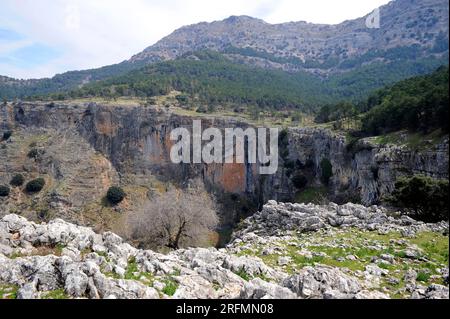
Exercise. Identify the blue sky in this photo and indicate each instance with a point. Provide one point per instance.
(40, 38)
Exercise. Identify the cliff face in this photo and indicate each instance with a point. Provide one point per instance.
(367, 170)
(136, 140)
(98, 145)
(316, 48)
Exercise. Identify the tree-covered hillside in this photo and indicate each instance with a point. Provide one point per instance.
(13, 88)
(417, 104)
(213, 79)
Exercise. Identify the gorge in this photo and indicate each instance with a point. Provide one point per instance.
(129, 145)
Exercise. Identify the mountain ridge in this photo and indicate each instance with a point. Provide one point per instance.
(307, 41)
(410, 31)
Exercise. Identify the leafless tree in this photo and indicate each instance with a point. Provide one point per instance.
(175, 219)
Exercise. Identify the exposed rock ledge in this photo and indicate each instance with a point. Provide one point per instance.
(267, 258)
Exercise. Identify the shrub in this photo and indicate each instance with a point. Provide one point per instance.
(7, 135)
(33, 153)
(299, 180)
(115, 195)
(327, 170)
(375, 170)
(202, 109)
(170, 287)
(424, 197)
(4, 191)
(182, 98)
(423, 276)
(35, 185)
(17, 180)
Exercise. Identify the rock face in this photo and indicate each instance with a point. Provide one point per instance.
(132, 143)
(367, 170)
(300, 45)
(59, 258)
(276, 219)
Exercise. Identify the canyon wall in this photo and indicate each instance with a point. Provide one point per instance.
(366, 170)
(129, 143)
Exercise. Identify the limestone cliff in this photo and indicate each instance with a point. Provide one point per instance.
(368, 170)
(85, 148)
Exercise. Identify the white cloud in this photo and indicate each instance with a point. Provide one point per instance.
(93, 33)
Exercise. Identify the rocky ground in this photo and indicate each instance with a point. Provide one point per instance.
(284, 251)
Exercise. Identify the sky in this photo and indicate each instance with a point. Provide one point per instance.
(40, 38)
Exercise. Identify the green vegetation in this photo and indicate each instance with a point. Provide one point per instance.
(17, 180)
(315, 195)
(55, 294)
(243, 274)
(33, 153)
(355, 249)
(340, 111)
(115, 195)
(133, 273)
(4, 191)
(417, 104)
(63, 82)
(6, 135)
(326, 170)
(170, 287)
(8, 291)
(35, 185)
(216, 81)
(415, 141)
(424, 197)
(212, 80)
(299, 180)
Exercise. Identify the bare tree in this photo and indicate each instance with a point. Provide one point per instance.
(175, 219)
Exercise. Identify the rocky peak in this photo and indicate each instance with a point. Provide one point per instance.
(404, 23)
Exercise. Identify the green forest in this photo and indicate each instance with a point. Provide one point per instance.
(215, 80)
(417, 104)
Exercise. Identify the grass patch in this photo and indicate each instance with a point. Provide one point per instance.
(435, 246)
(315, 195)
(132, 273)
(331, 247)
(55, 294)
(243, 274)
(423, 276)
(170, 287)
(8, 291)
(416, 141)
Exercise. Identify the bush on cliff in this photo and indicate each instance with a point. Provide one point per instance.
(115, 195)
(327, 170)
(33, 153)
(17, 180)
(35, 185)
(4, 191)
(424, 197)
(299, 180)
(7, 135)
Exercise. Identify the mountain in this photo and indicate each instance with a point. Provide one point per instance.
(209, 78)
(11, 88)
(408, 29)
(412, 39)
